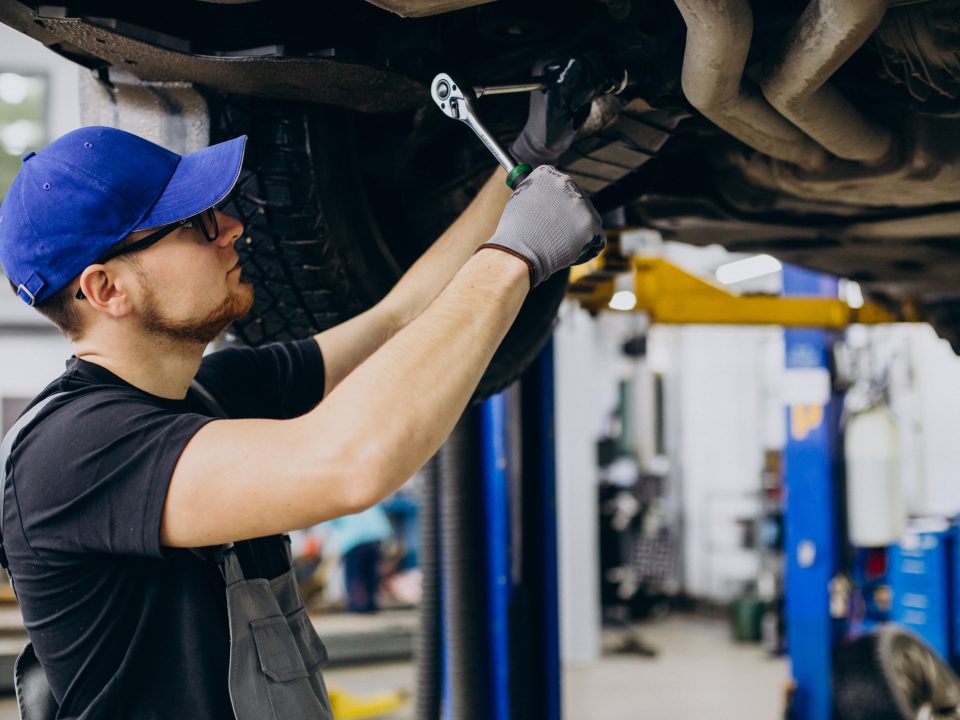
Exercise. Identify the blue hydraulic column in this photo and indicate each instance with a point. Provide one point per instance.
(811, 516)
(550, 578)
(535, 634)
(497, 536)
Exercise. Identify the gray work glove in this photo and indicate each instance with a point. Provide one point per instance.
(557, 112)
(548, 224)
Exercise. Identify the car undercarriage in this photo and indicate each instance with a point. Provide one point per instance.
(825, 133)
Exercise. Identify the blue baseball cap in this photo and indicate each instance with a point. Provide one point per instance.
(85, 192)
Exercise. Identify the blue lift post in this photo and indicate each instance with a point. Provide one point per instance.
(812, 515)
(535, 619)
(496, 497)
(522, 648)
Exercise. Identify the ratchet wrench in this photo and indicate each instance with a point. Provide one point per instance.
(595, 76)
(456, 101)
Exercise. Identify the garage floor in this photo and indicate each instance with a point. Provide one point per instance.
(699, 673)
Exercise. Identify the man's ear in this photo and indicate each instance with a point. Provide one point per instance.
(107, 290)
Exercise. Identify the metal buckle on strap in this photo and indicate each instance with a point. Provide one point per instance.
(22, 288)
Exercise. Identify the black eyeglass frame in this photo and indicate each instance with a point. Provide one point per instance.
(155, 237)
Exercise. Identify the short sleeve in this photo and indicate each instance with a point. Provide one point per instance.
(92, 474)
(276, 381)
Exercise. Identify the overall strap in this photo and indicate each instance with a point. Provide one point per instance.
(6, 447)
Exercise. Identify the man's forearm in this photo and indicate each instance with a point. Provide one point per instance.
(393, 412)
(348, 344)
(434, 269)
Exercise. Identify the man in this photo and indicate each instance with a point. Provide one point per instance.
(119, 242)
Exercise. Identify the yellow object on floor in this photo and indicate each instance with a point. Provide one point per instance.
(381, 705)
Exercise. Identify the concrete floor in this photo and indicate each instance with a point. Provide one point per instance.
(699, 673)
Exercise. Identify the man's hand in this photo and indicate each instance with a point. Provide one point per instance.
(549, 224)
(557, 112)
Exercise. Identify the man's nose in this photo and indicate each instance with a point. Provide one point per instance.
(231, 229)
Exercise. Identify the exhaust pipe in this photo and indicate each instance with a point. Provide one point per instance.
(718, 40)
(826, 35)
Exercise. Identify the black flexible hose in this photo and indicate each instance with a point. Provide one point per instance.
(429, 655)
(462, 558)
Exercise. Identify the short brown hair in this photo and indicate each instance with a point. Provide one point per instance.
(62, 308)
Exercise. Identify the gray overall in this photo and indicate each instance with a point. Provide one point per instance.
(275, 653)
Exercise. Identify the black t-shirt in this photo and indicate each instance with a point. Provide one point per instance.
(124, 627)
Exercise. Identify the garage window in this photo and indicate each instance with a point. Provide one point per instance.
(23, 120)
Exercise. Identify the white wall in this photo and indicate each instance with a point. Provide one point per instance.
(723, 412)
(29, 362)
(32, 352)
(586, 372)
(926, 404)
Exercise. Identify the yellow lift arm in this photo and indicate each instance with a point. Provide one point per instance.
(672, 295)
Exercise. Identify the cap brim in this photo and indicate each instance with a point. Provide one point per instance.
(201, 180)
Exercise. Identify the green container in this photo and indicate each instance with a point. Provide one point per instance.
(746, 618)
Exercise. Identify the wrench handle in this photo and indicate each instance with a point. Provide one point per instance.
(499, 154)
(515, 173)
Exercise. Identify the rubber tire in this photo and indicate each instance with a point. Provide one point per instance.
(313, 252)
(889, 674)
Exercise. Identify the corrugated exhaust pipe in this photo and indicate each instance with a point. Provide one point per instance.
(826, 35)
(718, 40)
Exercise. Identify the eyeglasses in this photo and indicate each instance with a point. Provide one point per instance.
(205, 222)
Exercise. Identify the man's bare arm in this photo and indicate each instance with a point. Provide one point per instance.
(239, 479)
(348, 344)
(549, 131)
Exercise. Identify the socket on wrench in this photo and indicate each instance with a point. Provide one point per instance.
(456, 101)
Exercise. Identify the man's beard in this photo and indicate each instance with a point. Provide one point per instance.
(200, 332)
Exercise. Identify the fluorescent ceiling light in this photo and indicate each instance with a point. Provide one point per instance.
(748, 268)
(852, 294)
(623, 300)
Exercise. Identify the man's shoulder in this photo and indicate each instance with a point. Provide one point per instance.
(79, 389)
(70, 411)
(86, 417)
(90, 473)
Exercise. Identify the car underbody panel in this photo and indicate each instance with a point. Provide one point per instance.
(424, 8)
(825, 132)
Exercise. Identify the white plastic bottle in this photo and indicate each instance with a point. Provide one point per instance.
(876, 510)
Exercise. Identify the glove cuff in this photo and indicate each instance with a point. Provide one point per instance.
(523, 151)
(534, 280)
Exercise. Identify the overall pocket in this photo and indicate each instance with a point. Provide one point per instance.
(279, 654)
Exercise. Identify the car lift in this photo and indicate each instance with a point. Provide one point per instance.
(671, 295)
(810, 313)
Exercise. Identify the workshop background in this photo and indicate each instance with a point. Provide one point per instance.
(671, 509)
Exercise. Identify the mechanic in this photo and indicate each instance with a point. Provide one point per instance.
(120, 243)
